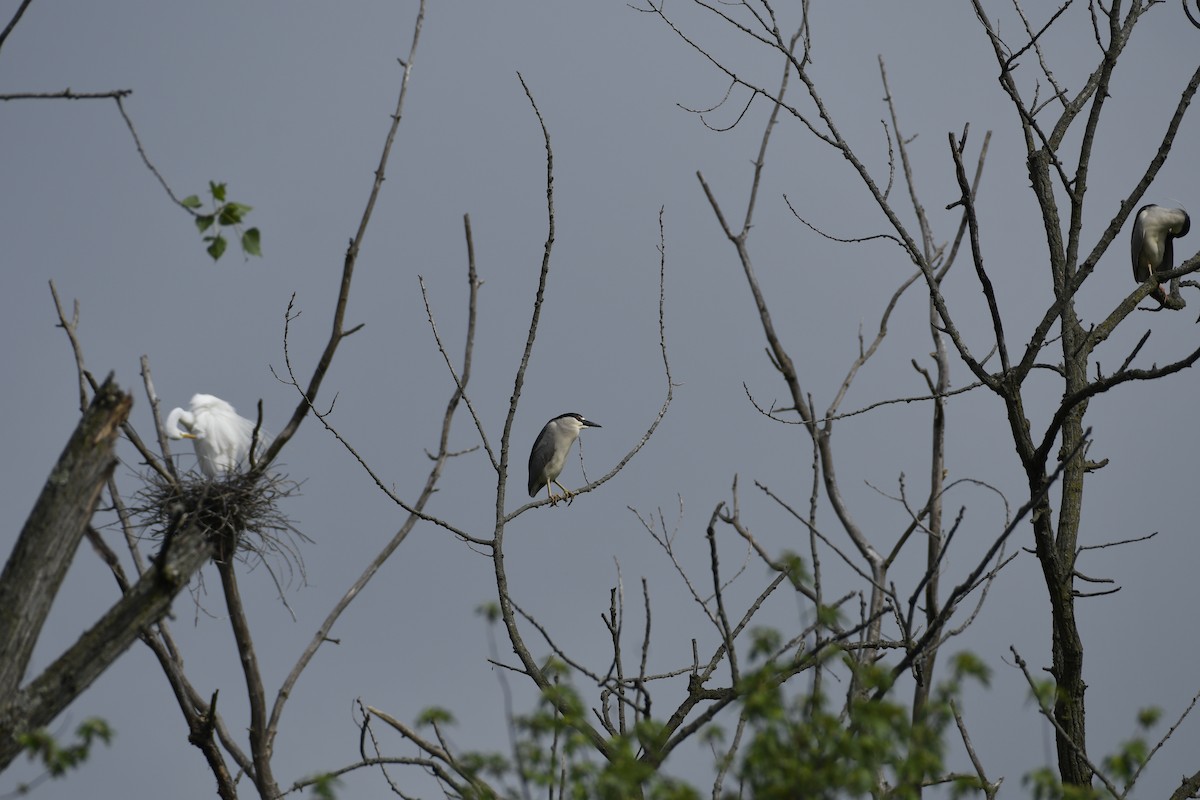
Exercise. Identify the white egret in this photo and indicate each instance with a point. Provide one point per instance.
(221, 437)
(550, 450)
(1154, 229)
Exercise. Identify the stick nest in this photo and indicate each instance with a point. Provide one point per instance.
(239, 512)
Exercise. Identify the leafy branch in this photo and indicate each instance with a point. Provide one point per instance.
(225, 213)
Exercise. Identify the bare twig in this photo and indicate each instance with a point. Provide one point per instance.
(137, 141)
(968, 585)
(1048, 713)
(416, 514)
(339, 332)
(260, 740)
(12, 23)
(67, 94)
(989, 789)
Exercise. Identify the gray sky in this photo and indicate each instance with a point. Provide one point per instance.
(289, 103)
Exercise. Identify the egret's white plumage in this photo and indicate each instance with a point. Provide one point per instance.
(1154, 230)
(221, 437)
(549, 453)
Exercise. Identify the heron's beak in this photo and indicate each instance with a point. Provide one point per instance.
(590, 424)
(189, 436)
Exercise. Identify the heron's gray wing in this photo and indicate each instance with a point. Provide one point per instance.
(539, 457)
(1141, 267)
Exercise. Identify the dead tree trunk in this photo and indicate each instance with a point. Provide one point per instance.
(35, 570)
(47, 545)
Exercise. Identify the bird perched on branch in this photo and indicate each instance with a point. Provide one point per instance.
(1154, 230)
(221, 437)
(549, 453)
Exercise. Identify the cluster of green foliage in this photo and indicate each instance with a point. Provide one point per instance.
(59, 759)
(794, 745)
(224, 213)
(553, 755)
(1121, 767)
(804, 746)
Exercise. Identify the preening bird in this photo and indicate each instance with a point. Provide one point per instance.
(221, 437)
(549, 453)
(1154, 230)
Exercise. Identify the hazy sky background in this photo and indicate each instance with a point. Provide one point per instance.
(289, 104)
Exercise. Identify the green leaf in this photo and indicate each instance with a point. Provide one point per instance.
(191, 201)
(433, 715)
(251, 243)
(793, 567)
(323, 786)
(1044, 692)
(217, 248)
(484, 763)
(962, 785)
(828, 616)
(764, 642)
(489, 611)
(649, 734)
(233, 213)
(1148, 717)
(967, 664)
(217, 190)
(204, 222)
(554, 668)
(94, 728)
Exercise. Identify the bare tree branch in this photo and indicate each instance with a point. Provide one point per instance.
(12, 23)
(339, 332)
(67, 94)
(46, 546)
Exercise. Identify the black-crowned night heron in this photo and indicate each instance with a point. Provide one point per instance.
(1154, 228)
(220, 436)
(549, 453)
